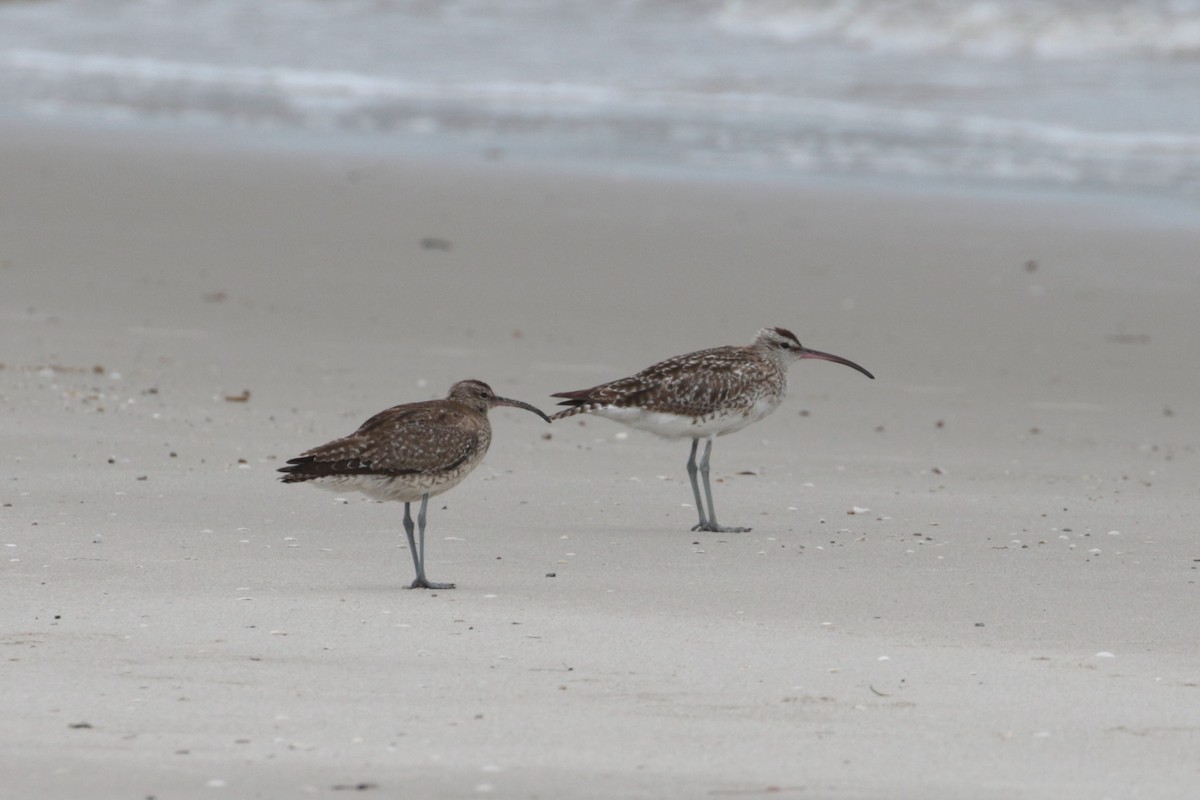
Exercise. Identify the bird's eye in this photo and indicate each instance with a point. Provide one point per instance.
(786, 345)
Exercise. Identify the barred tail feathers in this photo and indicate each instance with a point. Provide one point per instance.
(580, 401)
(584, 408)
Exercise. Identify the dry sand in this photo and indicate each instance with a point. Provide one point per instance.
(1010, 611)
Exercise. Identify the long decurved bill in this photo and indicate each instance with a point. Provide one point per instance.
(806, 353)
(504, 401)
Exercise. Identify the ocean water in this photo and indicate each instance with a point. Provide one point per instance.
(1094, 95)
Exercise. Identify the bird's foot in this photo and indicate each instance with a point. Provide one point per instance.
(712, 527)
(421, 583)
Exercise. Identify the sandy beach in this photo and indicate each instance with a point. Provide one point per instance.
(976, 576)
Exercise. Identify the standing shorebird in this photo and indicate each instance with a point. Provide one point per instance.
(408, 453)
(702, 395)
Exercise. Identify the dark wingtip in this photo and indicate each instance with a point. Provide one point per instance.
(293, 472)
(574, 399)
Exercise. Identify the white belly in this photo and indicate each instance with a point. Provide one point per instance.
(404, 489)
(676, 426)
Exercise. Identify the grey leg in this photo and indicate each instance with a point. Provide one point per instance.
(691, 469)
(712, 513)
(421, 528)
(421, 582)
(412, 543)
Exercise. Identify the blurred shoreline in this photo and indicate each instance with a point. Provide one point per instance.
(1094, 97)
(265, 141)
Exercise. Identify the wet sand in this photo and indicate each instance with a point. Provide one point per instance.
(975, 576)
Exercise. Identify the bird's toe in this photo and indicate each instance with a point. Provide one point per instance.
(424, 584)
(713, 528)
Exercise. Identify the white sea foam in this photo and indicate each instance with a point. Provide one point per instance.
(568, 100)
(1095, 93)
(1065, 29)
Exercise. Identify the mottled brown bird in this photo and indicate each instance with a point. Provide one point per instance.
(702, 395)
(408, 453)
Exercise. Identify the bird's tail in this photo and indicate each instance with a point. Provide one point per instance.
(308, 467)
(577, 402)
(296, 470)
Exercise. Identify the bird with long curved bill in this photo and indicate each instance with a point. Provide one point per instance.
(702, 395)
(408, 453)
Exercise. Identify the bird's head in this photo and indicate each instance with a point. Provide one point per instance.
(480, 397)
(783, 346)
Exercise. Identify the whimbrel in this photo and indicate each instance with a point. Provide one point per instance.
(407, 453)
(702, 395)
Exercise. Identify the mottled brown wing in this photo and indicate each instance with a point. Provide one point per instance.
(694, 384)
(420, 437)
